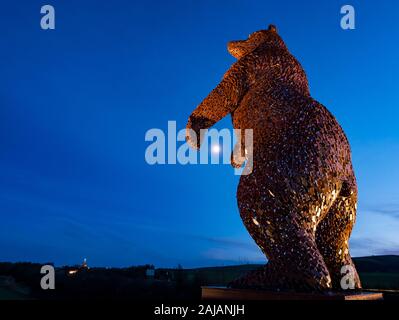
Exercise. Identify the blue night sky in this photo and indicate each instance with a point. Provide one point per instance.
(76, 102)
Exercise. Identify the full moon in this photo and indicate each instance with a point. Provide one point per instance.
(215, 148)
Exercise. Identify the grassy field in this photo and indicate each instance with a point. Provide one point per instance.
(10, 294)
(223, 275)
(376, 272)
(379, 280)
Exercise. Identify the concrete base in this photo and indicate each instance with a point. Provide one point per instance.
(223, 293)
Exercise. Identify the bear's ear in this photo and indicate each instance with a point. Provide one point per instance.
(272, 28)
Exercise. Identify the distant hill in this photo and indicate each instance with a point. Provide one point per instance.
(388, 264)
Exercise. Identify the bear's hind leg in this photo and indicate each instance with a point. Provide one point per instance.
(294, 259)
(332, 237)
(294, 252)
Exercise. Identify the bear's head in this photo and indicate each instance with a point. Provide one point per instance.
(240, 48)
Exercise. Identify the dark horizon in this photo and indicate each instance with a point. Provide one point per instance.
(77, 102)
(172, 267)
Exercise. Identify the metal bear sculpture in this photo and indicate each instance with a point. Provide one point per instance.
(299, 202)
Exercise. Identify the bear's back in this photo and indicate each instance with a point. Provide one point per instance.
(277, 70)
(284, 118)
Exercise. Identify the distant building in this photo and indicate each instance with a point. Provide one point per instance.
(150, 273)
(84, 264)
(76, 269)
(71, 272)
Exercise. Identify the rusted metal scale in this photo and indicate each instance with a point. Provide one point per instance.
(299, 202)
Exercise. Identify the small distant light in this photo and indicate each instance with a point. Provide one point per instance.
(216, 148)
